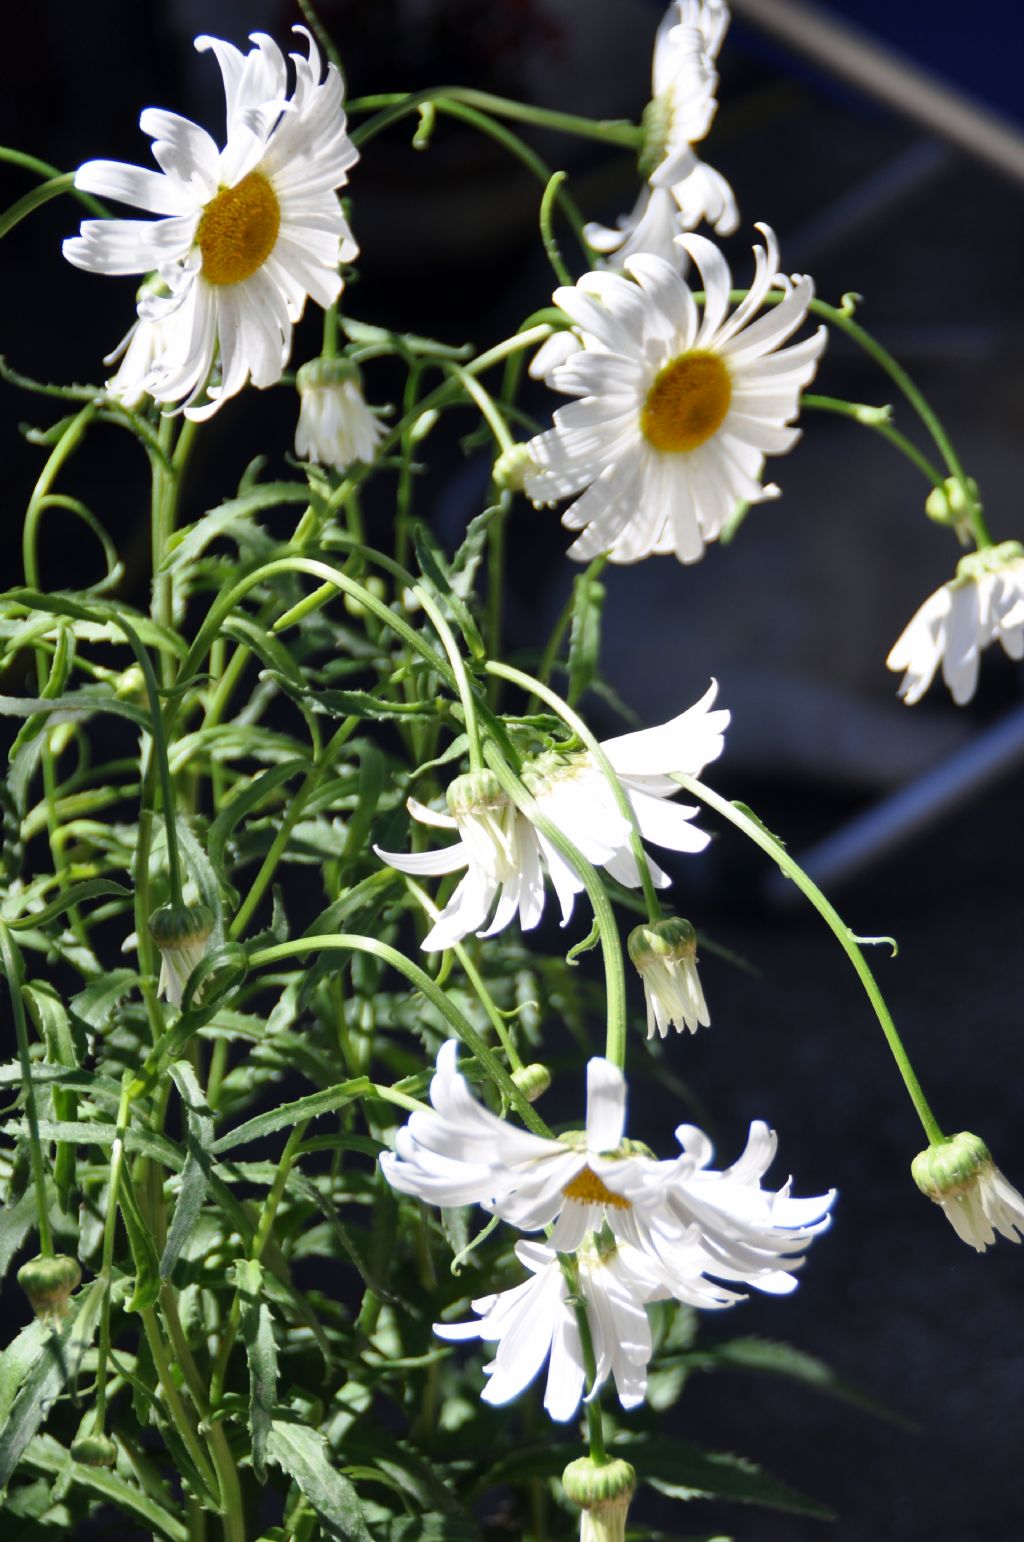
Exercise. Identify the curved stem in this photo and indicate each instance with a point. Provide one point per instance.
(64, 182)
(390, 106)
(109, 1237)
(455, 659)
(874, 418)
(44, 169)
(756, 832)
(486, 403)
(351, 943)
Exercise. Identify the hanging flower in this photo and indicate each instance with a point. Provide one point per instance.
(536, 1322)
(960, 1175)
(982, 604)
(665, 955)
(681, 189)
(678, 408)
(694, 1222)
(181, 933)
(336, 428)
(244, 234)
(505, 855)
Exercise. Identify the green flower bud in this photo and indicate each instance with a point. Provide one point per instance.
(603, 1491)
(475, 792)
(511, 467)
(94, 1451)
(48, 1282)
(947, 1169)
(532, 1080)
(946, 505)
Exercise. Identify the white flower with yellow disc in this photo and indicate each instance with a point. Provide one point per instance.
(243, 235)
(678, 406)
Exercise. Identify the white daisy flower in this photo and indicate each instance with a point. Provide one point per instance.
(505, 855)
(692, 1222)
(982, 604)
(678, 408)
(244, 234)
(665, 955)
(335, 427)
(960, 1175)
(681, 190)
(536, 1322)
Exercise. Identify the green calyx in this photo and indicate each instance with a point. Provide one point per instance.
(49, 1281)
(319, 374)
(656, 128)
(666, 942)
(510, 468)
(989, 559)
(475, 792)
(597, 1485)
(532, 1080)
(94, 1451)
(950, 1166)
(176, 926)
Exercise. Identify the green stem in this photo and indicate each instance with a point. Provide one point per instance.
(595, 1427)
(64, 182)
(11, 955)
(604, 915)
(330, 343)
(874, 417)
(109, 1237)
(554, 644)
(393, 105)
(462, 684)
(755, 831)
(228, 1486)
(547, 233)
(348, 942)
(179, 1414)
(535, 687)
(486, 403)
(44, 169)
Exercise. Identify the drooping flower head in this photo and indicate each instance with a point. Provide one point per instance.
(680, 190)
(959, 1174)
(982, 604)
(677, 408)
(665, 955)
(505, 856)
(336, 428)
(243, 235)
(182, 934)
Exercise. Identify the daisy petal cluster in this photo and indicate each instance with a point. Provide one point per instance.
(506, 857)
(677, 408)
(243, 234)
(665, 955)
(640, 1229)
(681, 190)
(983, 604)
(335, 427)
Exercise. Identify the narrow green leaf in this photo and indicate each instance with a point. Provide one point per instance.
(369, 788)
(464, 565)
(434, 568)
(682, 1471)
(302, 1453)
(585, 636)
(771, 1358)
(96, 1004)
(17, 1218)
(60, 1353)
(309, 1107)
(80, 703)
(230, 518)
(44, 1454)
(74, 894)
(47, 1012)
(140, 1240)
(261, 1353)
(243, 803)
(195, 1180)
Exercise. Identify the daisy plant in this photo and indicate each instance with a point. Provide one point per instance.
(282, 820)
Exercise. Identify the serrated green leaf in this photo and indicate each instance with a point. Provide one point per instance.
(96, 1004)
(74, 704)
(302, 1453)
(434, 568)
(466, 561)
(140, 1240)
(74, 894)
(60, 1353)
(261, 1353)
(288, 1114)
(243, 803)
(44, 1454)
(432, 1528)
(682, 1471)
(195, 1180)
(230, 518)
(48, 1014)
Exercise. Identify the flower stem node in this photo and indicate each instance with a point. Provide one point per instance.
(532, 1080)
(94, 1451)
(511, 467)
(181, 932)
(959, 1174)
(49, 1282)
(665, 955)
(603, 1491)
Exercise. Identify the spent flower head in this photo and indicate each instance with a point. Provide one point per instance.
(665, 955)
(959, 1174)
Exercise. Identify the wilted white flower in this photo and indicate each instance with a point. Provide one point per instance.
(505, 855)
(693, 1222)
(244, 234)
(960, 1175)
(982, 604)
(679, 408)
(335, 427)
(536, 1322)
(181, 933)
(681, 189)
(665, 954)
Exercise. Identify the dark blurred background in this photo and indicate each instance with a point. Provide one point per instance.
(794, 620)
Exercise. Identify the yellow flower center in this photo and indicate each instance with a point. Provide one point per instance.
(687, 402)
(238, 230)
(588, 1189)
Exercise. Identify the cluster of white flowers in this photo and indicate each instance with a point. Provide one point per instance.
(637, 1230)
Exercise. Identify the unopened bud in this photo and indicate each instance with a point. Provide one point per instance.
(511, 467)
(603, 1491)
(48, 1283)
(532, 1080)
(94, 1451)
(948, 504)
